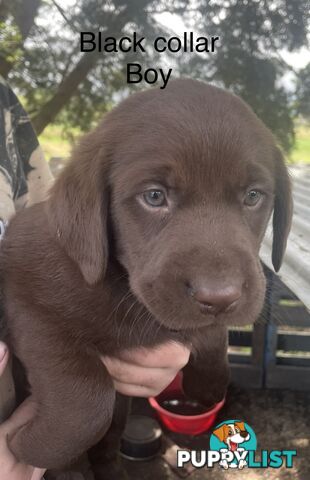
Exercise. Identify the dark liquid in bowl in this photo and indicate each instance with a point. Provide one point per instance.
(182, 406)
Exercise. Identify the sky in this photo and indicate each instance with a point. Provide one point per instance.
(175, 23)
(297, 59)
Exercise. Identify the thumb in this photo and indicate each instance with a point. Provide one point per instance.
(22, 415)
(4, 356)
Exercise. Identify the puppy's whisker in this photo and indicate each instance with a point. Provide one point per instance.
(136, 319)
(159, 326)
(116, 308)
(139, 316)
(147, 327)
(124, 319)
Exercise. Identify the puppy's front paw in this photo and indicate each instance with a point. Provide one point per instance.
(207, 387)
(242, 464)
(213, 395)
(224, 464)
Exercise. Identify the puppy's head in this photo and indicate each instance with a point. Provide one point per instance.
(178, 185)
(232, 434)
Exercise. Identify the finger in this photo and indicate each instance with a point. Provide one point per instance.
(38, 473)
(125, 372)
(167, 355)
(137, 390)
(4, 356)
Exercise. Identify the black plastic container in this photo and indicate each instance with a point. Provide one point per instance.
(141, 439)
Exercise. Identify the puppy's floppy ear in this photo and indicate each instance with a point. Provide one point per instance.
(283, 210)
(221, 433)
(78, 208)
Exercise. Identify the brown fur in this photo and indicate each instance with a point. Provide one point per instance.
(93, 271)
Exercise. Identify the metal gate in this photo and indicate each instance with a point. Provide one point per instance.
(275, 352)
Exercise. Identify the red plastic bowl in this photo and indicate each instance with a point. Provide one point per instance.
(186, 424)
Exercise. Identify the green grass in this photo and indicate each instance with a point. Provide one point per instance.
(301, 150)
(55, 145)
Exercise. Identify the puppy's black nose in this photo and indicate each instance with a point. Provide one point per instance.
(216, 300)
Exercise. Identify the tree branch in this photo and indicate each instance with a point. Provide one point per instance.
(64, 16)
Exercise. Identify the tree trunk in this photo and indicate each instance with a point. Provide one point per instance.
(24, 13)
(69, 85)
(66, 90)
(5, 67)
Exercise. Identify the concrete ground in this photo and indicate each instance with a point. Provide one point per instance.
(280, 419)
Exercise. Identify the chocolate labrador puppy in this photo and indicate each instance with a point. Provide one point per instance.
(151, 233)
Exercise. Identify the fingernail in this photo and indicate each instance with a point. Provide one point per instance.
(3, 350)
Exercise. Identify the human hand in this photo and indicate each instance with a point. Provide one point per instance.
(145, 372)
(10, 468)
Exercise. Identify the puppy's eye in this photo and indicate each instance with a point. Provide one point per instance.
(155, 198)
(252, 197)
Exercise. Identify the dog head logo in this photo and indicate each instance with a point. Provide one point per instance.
(232, 434)
(233, 439)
